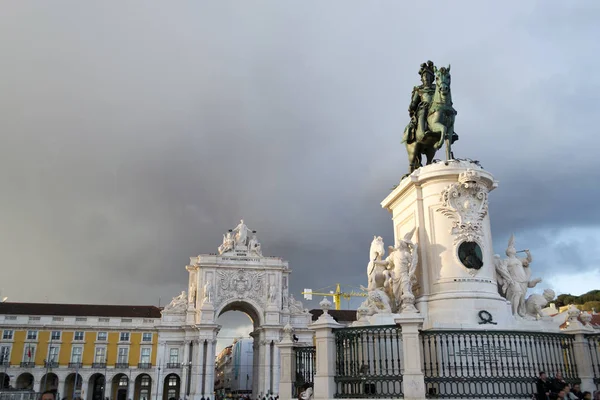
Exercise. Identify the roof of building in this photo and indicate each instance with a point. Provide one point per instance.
(338, 315)
(80, 310)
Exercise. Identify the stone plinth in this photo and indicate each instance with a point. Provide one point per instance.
(448, 204)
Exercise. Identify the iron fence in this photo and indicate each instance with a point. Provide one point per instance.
(493, 364)
(305, 367)
(14, 394)
(594, 346)
(368, 362)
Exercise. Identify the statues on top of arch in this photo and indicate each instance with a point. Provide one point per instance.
(238, 239)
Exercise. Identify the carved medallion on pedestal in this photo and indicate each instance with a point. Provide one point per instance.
(466, 203)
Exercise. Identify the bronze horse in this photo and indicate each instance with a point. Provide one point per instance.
(440, 125)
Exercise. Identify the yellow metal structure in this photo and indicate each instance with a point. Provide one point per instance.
(337, 295)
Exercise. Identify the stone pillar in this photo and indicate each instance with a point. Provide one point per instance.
(276, 369)
(324, 385)
(196, 370)
(256, 372)
(209, 378)
(413, 385)
(287, 375)
(185, 373)
(581, 353)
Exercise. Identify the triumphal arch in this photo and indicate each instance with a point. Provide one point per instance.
(239, 277)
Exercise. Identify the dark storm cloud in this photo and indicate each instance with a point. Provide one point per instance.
(134, 136)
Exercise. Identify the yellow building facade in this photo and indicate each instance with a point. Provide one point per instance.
(91, 352)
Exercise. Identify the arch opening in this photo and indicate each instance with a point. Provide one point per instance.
(73, 384)
(25, 381)
(172, 387)
(49, 382)
(143, 387)
(96, 387)
(120, 387)
(235, 356)
(4, 380)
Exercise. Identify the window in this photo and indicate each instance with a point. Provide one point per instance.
(7, 334)
(31, 335)
(4, 354)
(145, 355)
(123, 381)
(55, 335)
(172, 384)
(102, 336)
(78, 335)
(174, 356)
(123, 357)
(76, 353)
(100, 355)
(34, 318)
(58, 319)
(53, 354)
(124, 337)
(29, 352)
(80, 319)
(126, 320)
(10, 318)
(146, 337)
(103, 319)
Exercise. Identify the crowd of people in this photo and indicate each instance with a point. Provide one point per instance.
(558, 389)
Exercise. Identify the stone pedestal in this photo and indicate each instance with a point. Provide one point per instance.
(324, 385)
(448, 204)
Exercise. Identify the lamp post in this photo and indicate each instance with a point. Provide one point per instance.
(188, 378)
(157, 381)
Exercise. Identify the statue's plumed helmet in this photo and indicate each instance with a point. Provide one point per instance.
(427, 68)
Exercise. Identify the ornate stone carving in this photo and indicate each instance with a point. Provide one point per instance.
(535, 303)
(586, 318)
(296, 306)
(514, 277)
(240, 284)
(178, 304)
(208, 292)
(466, 202)
(272, 293)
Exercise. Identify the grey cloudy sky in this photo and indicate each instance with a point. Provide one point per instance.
(135, 133)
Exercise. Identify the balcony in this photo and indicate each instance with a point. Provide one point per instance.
(100, 365)
(51, 364)
(75, 365)
(121, 365)
(144, 365)
(173, 365)
(5, 363)
(27, 364)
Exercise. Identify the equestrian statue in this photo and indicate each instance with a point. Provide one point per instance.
(431, 117)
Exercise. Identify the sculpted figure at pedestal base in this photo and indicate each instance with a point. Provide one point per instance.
(377, 302)
(514, 277)
(535, 303)
(403, 259)
(377, 272)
